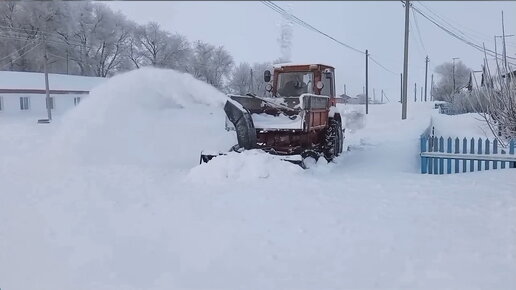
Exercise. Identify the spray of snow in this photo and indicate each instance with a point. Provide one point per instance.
(146, 116)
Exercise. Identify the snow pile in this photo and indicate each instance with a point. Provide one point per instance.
(146, 116)
(464, 125)
(245, 166)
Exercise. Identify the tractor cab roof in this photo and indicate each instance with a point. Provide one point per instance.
(301, 66)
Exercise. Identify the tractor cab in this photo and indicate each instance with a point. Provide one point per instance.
(295, 80)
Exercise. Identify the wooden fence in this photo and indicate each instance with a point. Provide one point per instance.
(465, 155)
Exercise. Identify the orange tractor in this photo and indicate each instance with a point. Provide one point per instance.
(297, 120)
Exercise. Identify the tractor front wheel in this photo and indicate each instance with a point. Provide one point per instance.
(333, 140)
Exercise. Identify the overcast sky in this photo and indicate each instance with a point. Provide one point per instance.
(249, 30)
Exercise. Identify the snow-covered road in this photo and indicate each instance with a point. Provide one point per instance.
(112, 198)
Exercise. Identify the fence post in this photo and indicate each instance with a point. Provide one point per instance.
(457, 152)
(430, 160)
(472, 151)
(424, 168)
(441, 160)
(479, 152)
(464, 151)
(449, 150)
(487, 153)
(436, 149)
(511, 151)
(495, 151)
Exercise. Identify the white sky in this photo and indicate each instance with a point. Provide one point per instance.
(249, 31)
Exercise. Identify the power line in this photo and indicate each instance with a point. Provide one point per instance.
(301, 22)
(453, 34)
(21, 55)
(49, 40)
(290, 16)
(17, 51)
(380, 65)
(419, 34)
(480, 36)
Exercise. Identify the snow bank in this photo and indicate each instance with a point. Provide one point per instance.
(245, 166)
(464, 125)
(146, 116)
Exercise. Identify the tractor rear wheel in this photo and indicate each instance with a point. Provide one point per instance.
(333, 142)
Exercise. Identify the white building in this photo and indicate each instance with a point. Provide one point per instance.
(23, 93)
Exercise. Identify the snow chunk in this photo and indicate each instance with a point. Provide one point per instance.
(246, 166)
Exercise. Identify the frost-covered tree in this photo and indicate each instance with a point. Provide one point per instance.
(240, 81)
(452, 78)
(210, 63)
(156, 47)
(88, 38)
(248, 79)
(258, 82)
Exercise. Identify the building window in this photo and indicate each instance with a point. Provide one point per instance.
(50, 103)
(76, 100)
(24, 103)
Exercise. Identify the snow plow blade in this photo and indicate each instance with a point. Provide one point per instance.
(294, 159)
(205, 158)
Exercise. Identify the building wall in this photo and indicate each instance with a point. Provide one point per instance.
(37, 104)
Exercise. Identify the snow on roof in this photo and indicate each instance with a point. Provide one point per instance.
(32, 80)
(277, 65)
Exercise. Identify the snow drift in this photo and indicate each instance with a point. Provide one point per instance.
(146, 116)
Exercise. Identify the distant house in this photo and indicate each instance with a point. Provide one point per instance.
(359, 99)
(343, 98)
(23, 93)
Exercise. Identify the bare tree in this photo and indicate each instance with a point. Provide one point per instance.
(497, 99)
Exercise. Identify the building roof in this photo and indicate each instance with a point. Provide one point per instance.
(11, 81)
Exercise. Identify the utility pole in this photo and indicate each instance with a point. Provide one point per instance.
(426, 74)
(345, 89)
(382, 96)
(367, 82)
(453, 72)
(503, 41)
(415, 92)
(47, 90)
(432, 88)
(401, 88)
(251, 89)
(67, 61)
(405, 63)
(504, 50)
(421, 98)
(374, 96)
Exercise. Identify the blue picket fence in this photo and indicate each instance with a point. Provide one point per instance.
(439, 154)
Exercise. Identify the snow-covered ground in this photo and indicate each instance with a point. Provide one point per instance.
(110, 196)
